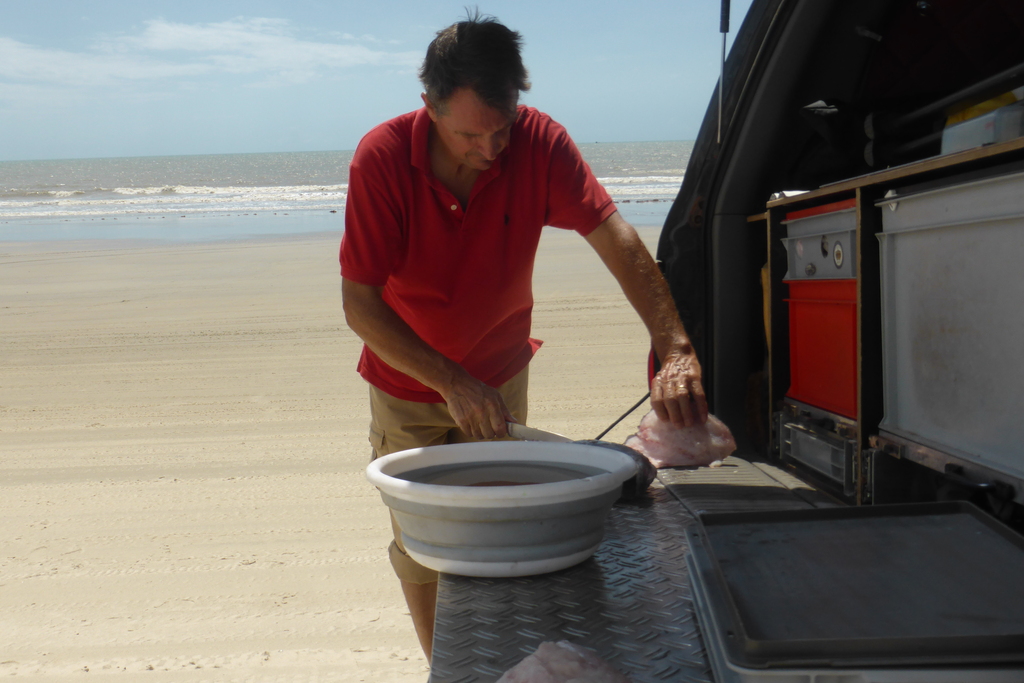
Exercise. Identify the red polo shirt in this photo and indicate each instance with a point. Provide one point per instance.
(461, 279)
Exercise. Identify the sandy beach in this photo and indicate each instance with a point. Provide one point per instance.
(183, 442)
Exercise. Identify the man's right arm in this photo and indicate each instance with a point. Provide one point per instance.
(477, 408)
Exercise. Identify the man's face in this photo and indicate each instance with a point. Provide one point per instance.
(472, 133)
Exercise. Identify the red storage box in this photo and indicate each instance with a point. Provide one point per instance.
(823, 344)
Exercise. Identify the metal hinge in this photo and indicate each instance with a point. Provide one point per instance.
(891, 448)
(865, 472)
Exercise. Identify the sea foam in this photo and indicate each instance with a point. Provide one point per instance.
(643, 178)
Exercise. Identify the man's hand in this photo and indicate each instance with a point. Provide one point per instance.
(477, 408)
(677, 394)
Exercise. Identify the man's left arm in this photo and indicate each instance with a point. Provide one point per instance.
(677, 394)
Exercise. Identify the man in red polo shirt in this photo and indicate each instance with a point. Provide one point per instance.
(445, 210)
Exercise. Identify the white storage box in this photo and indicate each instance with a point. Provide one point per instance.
(953, 319)
(820, 243)
(1001, 125)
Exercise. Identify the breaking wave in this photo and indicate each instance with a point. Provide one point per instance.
(185, 199)
(642, 177)
(182, 199)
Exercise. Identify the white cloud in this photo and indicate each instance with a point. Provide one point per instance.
(270, 50)
(31, 65)
(260, 45)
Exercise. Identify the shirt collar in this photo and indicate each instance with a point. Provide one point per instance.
(421, 140)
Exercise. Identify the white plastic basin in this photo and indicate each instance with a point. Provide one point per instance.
(461, 513)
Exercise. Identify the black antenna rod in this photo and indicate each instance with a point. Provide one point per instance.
(723, 28)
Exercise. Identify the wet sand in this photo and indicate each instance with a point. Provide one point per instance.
(184, 437)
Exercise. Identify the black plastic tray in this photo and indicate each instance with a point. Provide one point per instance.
(889, 585)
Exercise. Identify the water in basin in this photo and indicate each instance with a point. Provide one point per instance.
(499, 473)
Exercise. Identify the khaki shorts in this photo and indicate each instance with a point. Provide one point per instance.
(397, 425)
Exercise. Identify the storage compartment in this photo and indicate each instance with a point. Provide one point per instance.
(826, 453)
(953, 320)
(823, 344)
(1001, 125)
(820, 245)
(860, 595)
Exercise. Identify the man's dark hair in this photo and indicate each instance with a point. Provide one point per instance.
(478, 53)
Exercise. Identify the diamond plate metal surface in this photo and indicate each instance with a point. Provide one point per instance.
(738, 486)
(631, 602)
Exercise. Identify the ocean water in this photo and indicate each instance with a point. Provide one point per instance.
(227, 196)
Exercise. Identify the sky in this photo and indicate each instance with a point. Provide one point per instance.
(116, 78)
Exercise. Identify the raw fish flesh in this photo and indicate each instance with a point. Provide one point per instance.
(562, 662)
(667, 445)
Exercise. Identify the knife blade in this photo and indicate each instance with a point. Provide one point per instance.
(524, 433)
